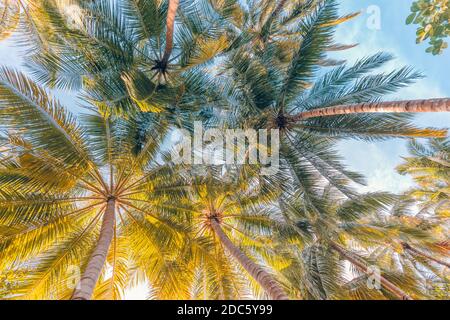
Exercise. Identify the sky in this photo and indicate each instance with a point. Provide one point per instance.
(380, 27)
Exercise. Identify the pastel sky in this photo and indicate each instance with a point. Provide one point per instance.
(377, 160)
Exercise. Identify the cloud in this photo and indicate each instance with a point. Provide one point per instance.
(377, 161)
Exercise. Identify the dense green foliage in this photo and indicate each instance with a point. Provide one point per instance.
(433, 17)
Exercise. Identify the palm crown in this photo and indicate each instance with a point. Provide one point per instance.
(230, 212)
(62, 177)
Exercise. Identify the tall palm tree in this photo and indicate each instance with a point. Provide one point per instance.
(123, 55)
(291, 96)
(263, 90)
(261, 276)
(232, 213)
(75, 193)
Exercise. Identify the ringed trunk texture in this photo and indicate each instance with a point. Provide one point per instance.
(170, 23)
(384, 282)
(97, 260)
(408, 247)
(429, 105)
(266, 281)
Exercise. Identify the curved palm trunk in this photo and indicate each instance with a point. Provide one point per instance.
(384, 282)
(170, 23)
(98, 257)
(430, 105)
(266, 281)
(408, 247)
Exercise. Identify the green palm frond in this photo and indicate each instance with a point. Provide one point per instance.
(10, 16)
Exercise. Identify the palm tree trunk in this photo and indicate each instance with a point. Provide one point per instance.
(266, 281)
(430, 105)
(396, 291)
(408, 247)
(98, 257)
(170, 23)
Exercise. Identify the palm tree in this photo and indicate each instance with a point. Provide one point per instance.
(424, 255)
(400, 294)
(419, 246)
(226, 209)
(263, 90)
(122, 55)
(293, 84)
(289, 95)
(60, 179)
(362, 231)
(262, 277)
